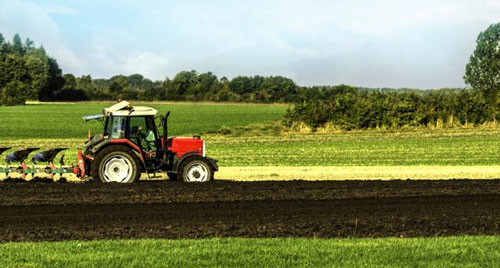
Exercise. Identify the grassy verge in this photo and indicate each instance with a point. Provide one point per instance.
(237, 252)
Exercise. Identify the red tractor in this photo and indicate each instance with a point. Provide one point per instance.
(131, 145)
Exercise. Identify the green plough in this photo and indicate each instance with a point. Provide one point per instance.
(21, 154)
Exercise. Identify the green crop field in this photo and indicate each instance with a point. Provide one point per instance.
(362, 148)
(479, 251)
(65, 120)
(467, 147)
(247, 154)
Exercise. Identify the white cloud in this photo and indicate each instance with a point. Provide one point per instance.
(55, 9)
(31, 20)
(106, 63)
(147, 63)
(34, 21)
(374, 17)
(373, 43)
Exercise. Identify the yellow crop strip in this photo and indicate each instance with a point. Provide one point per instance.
(283, 173)
(318, 173)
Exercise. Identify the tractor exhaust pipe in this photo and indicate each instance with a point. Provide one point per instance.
(165, 136)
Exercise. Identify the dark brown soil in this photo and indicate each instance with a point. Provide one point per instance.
(35, 211)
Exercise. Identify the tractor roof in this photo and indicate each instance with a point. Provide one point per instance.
(125, 109)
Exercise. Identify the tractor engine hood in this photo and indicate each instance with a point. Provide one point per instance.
(183, 145)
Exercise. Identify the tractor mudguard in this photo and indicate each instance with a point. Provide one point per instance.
(126, 142)
(213, 162)
(132, 145)
(97, 148)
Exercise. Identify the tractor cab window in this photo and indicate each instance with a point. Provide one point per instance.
(116, 127)
(142, 132)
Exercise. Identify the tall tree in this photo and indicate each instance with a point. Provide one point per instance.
(115, 88)
(85, 83)
(2, 40)
(483, 70)
(240, 85)
(184, 82)
(69, 82)
(17, 44)
(135, 80)
(30, 45)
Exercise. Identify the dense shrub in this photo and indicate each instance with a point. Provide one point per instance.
(350, 108)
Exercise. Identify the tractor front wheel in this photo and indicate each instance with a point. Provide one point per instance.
(116, 163)
(196, 169)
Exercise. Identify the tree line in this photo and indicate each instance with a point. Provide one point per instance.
(185, 86)
(28, 73)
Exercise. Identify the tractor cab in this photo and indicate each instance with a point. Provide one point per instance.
(130, 144)
(122, 122)
(136, 124)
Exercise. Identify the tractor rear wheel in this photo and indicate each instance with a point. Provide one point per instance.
(116, 163)
(196, 169)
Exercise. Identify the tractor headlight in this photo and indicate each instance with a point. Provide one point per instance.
(203, 150)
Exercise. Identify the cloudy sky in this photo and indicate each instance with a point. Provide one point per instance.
(384, 43)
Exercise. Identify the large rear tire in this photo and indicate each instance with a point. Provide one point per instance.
(196, 169)
(116, 163)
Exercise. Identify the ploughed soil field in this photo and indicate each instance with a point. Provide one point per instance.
(36, 211)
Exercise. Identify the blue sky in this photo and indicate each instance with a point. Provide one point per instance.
(422, 44)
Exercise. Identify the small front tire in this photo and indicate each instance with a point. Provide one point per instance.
(196, 169)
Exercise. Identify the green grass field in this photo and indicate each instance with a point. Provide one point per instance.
(480, 251)
(52, 121)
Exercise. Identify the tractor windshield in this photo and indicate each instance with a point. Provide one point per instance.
(116, 127)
